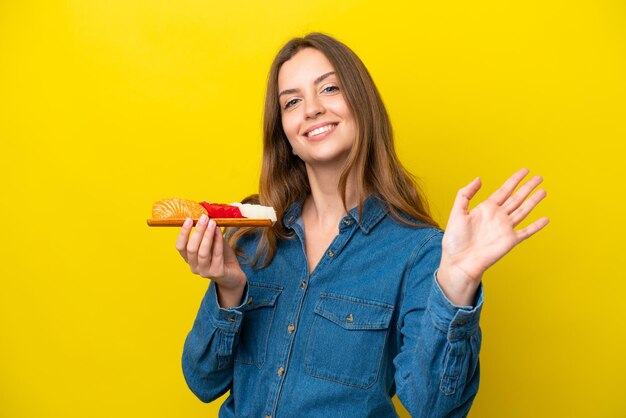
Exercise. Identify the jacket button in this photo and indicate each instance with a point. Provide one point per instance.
(349, 318)
(249, 302)
(346, 222)
(331, 253)
(291, 328)
(280, 371)
(230, 319)
(303, 284)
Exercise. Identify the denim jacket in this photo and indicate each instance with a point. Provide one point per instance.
(369, 322)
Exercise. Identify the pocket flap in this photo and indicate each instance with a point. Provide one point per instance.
(353, 313)
(261, 295)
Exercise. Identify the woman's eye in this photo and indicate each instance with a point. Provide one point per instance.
(290, 103)
(331, 89)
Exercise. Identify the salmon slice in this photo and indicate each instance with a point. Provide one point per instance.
(177, 208)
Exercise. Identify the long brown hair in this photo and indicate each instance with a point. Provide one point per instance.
(372, 160)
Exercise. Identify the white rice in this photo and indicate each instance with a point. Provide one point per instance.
(256, 211)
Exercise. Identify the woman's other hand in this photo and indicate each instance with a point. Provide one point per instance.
(475, 240)
(209, 256)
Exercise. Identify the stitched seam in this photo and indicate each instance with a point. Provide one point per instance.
(330, 316)
(358, 301)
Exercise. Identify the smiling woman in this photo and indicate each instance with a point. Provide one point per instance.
(315, 110)
(355, 294)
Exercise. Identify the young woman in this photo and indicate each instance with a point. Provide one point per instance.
(354, 295)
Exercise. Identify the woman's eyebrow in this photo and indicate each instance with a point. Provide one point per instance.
(323, 76)
(317, 81)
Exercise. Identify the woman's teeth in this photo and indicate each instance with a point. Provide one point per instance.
(321, 130)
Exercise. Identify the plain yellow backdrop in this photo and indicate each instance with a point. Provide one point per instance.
(106, 106)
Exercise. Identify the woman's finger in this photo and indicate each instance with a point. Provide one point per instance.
(218, 249)
(206, 246)
(522, 212)
(464, 195)
(503, 193)
(183, 238)
(194, 243)
(521, 194)
(531, 229)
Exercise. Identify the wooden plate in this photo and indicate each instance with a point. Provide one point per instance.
(219, 221)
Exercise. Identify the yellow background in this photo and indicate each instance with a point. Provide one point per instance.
(106, 106)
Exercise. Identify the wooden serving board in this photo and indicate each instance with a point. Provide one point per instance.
(220, 222)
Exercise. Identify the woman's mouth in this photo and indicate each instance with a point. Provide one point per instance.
(317, 132)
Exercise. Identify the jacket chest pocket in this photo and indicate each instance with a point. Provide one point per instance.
(257, 323)
(347, 339)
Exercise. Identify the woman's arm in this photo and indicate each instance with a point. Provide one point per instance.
(437, 371)
(209, 347)
(208, 352)
(437, 367)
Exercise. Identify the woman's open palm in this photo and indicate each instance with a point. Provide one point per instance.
(474, 240)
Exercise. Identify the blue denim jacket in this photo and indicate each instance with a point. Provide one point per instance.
(369, 322)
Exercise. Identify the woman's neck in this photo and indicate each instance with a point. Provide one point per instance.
(324, 208)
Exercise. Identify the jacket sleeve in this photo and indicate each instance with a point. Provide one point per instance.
(437, 368)
(209, 347)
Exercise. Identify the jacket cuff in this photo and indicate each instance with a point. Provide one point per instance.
(227, 320)
(458, 322)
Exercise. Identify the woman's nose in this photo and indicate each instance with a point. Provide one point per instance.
(314, 108)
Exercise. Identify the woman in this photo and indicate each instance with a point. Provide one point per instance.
(356, 295)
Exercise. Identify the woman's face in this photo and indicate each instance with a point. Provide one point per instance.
(315, 115)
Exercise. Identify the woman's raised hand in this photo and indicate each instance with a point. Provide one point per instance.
(475, 240)
(209, 256)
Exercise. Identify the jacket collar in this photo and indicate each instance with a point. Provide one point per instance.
(374, 209)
